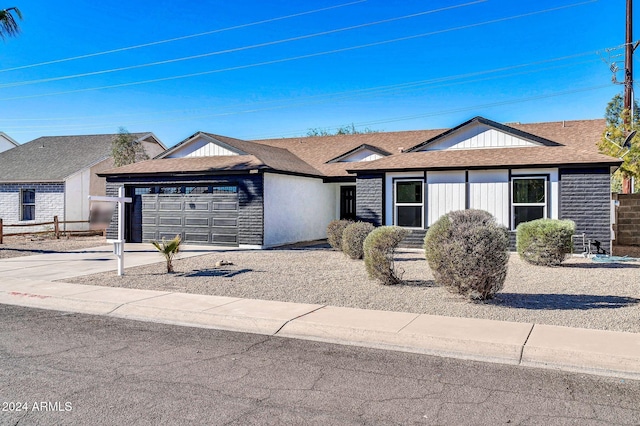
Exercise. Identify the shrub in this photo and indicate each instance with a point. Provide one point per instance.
(168, 250)
(334, 232)
(353, 239)
(468, 253)
(379, 249)
(545, 241)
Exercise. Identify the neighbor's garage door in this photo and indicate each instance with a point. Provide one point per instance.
(198, 219)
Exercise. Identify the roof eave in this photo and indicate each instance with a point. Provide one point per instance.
(490, 167)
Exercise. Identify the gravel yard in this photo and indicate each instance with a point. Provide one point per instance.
(581, 293)
(27, 245)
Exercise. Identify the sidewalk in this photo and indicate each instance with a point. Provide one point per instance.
(28, 281)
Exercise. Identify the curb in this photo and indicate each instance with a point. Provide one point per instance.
(607, 353)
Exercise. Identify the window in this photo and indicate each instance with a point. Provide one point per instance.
(141, 191)
(28, 204)
(409, 204)
(529, 195)
(196, 190)
(225, 189)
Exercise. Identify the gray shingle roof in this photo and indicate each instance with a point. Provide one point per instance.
(54, 158)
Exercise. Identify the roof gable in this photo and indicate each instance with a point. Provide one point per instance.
(201, 145)
(363, 152)
(7, 142)
(480, 133)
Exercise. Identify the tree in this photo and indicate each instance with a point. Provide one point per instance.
(342, 130)
(8, 25)
(125, 149)
(613, 138)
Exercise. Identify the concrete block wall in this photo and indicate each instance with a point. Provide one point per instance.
(627, 226)
(585, 198)
(49, 202)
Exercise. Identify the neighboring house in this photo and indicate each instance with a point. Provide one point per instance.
(219, 190)
(6, 142)
(53, 176)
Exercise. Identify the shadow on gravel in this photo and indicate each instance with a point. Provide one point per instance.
(562, 301)
(601, 265)
(409, 259)
(215, 273)
(418, 283)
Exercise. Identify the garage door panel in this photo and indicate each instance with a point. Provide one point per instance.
(197, 206)
(191, 237)
(220, 239)
(149, 205)
(149, 220)
(225, 222)
(202, 218)
(225, 206)
(175, 206)
(170, 221)
(149, 236)
(196, 221)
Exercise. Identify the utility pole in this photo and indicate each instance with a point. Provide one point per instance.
(628, 83)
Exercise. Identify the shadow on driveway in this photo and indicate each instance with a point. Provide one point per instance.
(561, 301)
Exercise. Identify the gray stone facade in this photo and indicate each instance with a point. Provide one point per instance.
(250, 200)
(370, 198)
(585, 198)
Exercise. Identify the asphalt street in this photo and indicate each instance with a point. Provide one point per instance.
(61, 368)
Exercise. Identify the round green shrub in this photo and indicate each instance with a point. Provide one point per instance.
(353, 239)
(334, 232)
(468, 253)
(379, 250)
(545, 241)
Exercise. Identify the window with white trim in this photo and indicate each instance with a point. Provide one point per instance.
(528, 199)
(409, 204)
(28, 204)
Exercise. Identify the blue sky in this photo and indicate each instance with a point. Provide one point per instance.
(268, 69)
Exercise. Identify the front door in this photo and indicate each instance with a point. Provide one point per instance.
(348, 202)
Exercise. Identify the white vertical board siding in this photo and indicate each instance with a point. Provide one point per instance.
(553, 193)
(201, 148)
(389, 192)
(210, 150)
(76, 200)
(296, 209)
(446, 191)
(479, 136)
(489, 190)
(362, 155)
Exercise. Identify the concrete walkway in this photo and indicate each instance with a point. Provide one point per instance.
(28, 281)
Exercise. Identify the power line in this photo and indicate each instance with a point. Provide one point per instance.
(359, 92)
(154, 43)
(444, 112)
(416, 116)
(311, 55)
(237, 49)
(289, 104)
